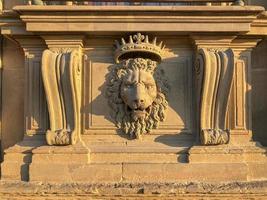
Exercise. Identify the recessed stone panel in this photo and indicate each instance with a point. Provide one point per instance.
(177, 66)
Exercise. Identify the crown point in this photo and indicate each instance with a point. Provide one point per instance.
(146, 39)
(155, 41)
(117, 44)
(123, 41)
(131, 40)
(140, 45)
(160, 44)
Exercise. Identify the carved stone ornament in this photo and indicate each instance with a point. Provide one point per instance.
(61, 73)
(136, 88)
(35, 2)
(214, 75)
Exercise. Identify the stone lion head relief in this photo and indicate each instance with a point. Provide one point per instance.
(136, 88)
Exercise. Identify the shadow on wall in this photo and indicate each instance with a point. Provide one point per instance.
(257, 3)
(13, 79)
(259, 93)
(9, 4)
(1, 152)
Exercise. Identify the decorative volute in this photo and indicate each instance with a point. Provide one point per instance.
(214, 75)
(61, 74)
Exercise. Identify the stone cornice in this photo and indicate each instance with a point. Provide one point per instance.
(11, 24)
(74, 8)
(259, 26)
(175, 19)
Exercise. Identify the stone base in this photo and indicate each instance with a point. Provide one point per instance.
(102, 162)
(58, 163)
(251, 153)
(18, 158)
(30, 157)
(139, 173)
(131, 191)
(253, 158)
(110, 161)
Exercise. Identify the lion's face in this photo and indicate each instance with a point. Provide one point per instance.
(138, 91)
(136, 95)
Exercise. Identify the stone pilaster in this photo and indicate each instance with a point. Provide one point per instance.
(36, 115)
(1, 68)
(240, 113)
(18, 158)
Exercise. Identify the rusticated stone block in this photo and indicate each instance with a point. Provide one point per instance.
(257, 171)
(227, 154)
(133, 191)
(185, 172)
(134, 158)
(11, 170)
(15, 167)
(57, 172)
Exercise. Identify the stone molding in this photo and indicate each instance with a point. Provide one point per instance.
(64, 43)
(169, 19)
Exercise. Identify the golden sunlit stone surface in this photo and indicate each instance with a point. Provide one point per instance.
(133, 102)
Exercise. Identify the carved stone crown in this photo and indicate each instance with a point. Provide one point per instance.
(138, 46)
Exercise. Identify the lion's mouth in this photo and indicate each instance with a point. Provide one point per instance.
(140, 112)
(140, 109)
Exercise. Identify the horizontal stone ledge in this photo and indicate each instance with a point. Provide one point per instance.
(145, 173)
(122, 27)
(64, 173)
(215, 172)
(175, 19)
(137, 149)
(50, 8)
(152, 158)
(230, 189)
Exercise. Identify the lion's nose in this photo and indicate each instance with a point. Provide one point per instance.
(139, 95)
(139, 101)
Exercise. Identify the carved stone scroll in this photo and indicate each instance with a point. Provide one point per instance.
(61, 74)
(214, 75)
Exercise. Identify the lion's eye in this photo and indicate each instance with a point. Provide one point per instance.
(127, 85)
(149, 87)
